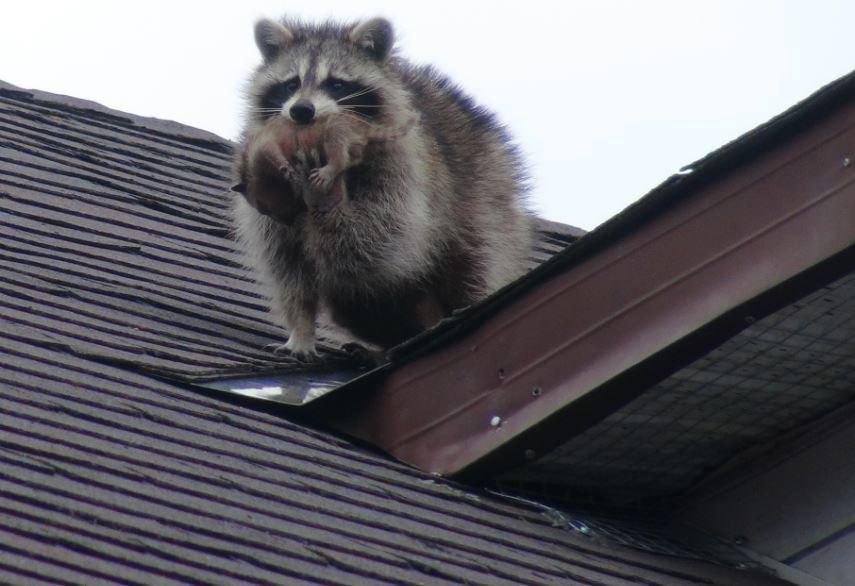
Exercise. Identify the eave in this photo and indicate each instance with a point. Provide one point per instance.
(741, 233)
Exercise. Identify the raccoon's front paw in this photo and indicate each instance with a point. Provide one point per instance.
(304, 351)
(322, 177)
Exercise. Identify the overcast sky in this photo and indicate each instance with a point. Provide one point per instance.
(606, 98)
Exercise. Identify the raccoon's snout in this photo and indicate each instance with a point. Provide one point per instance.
(302, 111)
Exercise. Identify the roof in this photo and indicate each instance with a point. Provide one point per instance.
(760, 232)
(118, 283)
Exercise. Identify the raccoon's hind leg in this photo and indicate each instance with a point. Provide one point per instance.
(280, 162)
(296, 304)
(341, 155)
(322, 177)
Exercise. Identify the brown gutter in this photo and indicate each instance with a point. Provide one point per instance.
(586, 340)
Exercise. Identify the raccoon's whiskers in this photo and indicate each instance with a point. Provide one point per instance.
(266, 110)
(354, 116)
(357, 115)
(361, 92)
(358, 93)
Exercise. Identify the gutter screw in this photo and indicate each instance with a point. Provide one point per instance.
(496, 421)
(847, 161)
(536, 391)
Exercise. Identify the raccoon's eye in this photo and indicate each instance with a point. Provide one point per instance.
(276, 95)
(338, 88)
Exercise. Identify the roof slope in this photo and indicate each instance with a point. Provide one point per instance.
(131, 214)
(116, 279)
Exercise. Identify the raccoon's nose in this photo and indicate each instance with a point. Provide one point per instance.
(302, 111)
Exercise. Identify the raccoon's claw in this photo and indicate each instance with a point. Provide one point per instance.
(321, 178)
(303, 354)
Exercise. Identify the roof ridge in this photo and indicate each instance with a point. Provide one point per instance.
(160, 126)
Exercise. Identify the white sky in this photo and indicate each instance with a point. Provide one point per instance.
(606, 98)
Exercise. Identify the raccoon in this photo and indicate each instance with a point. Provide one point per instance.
(434, 220)
(268, 172)
(265, 174)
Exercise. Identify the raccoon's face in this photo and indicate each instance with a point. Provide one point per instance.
(313, 72)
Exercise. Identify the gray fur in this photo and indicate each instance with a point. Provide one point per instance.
(435, 219)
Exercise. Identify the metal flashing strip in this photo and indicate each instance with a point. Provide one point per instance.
(294, 388)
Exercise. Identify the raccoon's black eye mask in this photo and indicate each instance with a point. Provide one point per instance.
(278, 94)
(353, 95)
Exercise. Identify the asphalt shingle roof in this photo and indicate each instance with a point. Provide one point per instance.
(117, 279)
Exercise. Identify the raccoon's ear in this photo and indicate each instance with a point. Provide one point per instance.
(375, 36)
(271, 37)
